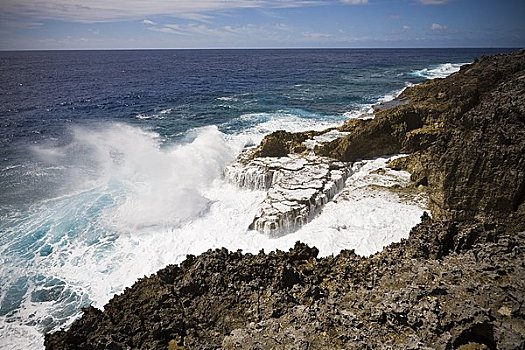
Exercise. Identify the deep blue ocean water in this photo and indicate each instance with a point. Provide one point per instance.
(81, 130)
(42, 94)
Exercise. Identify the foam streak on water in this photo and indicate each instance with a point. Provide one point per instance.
(438, 71)
(366, 111)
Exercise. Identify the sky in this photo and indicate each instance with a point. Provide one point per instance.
(149, 24)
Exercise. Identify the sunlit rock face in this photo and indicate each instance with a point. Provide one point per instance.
(298, 187)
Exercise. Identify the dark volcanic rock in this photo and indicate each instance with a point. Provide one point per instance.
(468, 132)
(448, 285)
(382, 135)
(281, 143)
(477, 167)
(417, 122)
(457, 282)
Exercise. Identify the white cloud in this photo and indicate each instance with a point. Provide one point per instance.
(197, 34)
(355, 2)
(437, 26)
(405, 27)
(199, 17)
(116, 10)
(11, 23)
(148, 22)
(202, 30)
(434, 2)
(316, 36)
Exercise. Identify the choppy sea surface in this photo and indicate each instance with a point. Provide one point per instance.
(111, 163)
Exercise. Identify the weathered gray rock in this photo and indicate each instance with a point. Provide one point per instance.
(298, 187)
(298, 182)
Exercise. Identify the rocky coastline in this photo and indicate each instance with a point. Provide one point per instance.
(457, 282)
(298, 187)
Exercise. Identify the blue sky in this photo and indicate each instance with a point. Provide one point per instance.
(121, 24)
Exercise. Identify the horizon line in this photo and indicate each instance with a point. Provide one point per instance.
(265, 48)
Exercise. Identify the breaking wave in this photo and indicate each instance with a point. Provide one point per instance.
(438, 71)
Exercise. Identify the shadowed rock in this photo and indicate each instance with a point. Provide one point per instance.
(448, 285)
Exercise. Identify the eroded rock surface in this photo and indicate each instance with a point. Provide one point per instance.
(466, 134)
(298, 187)
(448, 285)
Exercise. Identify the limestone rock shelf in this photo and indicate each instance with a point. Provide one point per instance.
(298, 187)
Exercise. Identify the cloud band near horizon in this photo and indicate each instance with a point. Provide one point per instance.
(92, 11)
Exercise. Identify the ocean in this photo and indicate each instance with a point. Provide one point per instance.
(111, 163)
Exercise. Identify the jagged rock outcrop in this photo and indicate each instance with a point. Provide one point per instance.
(298, 184)
(415, 123)
(457, 282)
(448, 285)
(280, 143)
(468, 135)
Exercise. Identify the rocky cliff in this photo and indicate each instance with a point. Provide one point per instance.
(458, 281)
(465, 134)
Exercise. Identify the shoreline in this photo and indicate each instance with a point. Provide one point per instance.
(435, 289)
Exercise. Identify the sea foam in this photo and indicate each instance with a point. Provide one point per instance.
(366, 111)
(133, 206)
(119, 184)
(438, 71)
(155, 115)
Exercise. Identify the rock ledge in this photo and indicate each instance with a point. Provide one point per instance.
(298, 187)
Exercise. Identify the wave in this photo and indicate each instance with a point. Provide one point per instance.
(128, 198)
(121, 185)
(11, 167)
(159, 115)
(158, 178)
(289, 120)
(438, 71)
(227, 98)
(366, 111)
(131, 199)
(252, 127)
